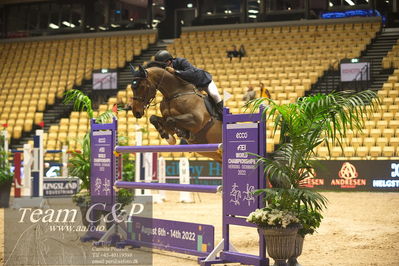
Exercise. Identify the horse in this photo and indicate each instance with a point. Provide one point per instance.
(183, 108)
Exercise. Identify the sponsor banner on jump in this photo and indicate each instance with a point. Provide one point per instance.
(360, 175)
(60, 187)
(201, 172)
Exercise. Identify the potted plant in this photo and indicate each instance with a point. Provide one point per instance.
(79, 163)
(6, 175)
(280, 226)
(310, 221)
(281, 220)
(304, 125)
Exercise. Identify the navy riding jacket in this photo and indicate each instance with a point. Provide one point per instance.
(200, 78)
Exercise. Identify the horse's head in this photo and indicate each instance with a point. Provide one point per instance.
(143, 91)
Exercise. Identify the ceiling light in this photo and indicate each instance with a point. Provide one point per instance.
(253, 11)
(66, 23)
(53, 26)
(189, 5)
(350, 2)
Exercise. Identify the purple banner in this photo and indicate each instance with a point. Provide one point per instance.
(171, 235)
(241, 177)
(102, 167)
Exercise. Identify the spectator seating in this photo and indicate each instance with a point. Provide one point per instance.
(33, 74)
(301, 56)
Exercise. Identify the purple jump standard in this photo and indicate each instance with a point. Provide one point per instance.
(243, 135)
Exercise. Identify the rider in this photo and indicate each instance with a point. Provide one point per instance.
(200, 78)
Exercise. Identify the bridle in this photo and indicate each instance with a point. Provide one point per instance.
(149, 100)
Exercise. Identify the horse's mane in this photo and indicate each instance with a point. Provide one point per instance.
(155, 64)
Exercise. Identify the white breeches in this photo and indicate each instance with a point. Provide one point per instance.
(212, 90)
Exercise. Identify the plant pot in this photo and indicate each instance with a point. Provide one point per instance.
(5, 190)
(297, 252)
(96, 215)
(280, 243)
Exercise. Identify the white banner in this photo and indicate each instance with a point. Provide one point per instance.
(105, 81)
(351, 71)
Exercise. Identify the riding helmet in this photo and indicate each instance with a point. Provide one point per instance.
(163, 56)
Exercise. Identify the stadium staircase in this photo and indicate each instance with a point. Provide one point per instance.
(55, 112)
(374, 52)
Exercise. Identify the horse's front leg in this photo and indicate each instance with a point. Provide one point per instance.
(164, 131)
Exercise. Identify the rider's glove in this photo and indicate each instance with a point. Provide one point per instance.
(170, 70)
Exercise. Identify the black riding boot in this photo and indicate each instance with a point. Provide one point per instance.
(219, 109)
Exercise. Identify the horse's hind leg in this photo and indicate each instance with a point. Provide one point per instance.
(163, 130)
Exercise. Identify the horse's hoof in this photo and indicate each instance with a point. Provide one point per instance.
(171, 140)
(164, 135)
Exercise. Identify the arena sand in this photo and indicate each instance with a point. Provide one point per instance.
(359, 228)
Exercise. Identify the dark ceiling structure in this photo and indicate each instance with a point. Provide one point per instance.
(23, 18)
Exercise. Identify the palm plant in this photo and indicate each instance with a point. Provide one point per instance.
(6, 175)
(304, 125)
(80, 161)
(82, 102)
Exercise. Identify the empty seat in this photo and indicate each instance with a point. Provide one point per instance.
(388, 151)
(336, 151)
(382, 124)
(349, 151)
(375, 132)
(362, 151)
(394, 142)
(388, 132)
(375, 151)
(356, 142)
(394, 124)
(382, 142)
(322, 151)
(369, 142)
(369, 124)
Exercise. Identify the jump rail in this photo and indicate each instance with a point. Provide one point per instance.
(170, 148)
(169, 186)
